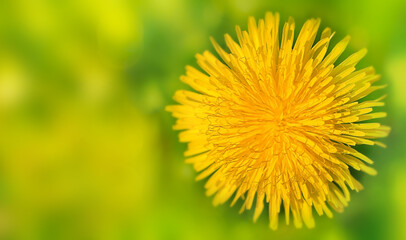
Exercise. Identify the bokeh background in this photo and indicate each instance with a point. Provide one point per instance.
(87, 150)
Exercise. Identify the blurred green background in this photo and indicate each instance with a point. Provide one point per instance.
(87, 151)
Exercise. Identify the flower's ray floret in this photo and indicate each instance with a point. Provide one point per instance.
(276, 120)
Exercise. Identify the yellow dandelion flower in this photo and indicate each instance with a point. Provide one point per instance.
(276, 121)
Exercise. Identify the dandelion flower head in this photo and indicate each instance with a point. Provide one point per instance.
(275, 121)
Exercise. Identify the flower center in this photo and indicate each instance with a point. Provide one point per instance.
(278, 118)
